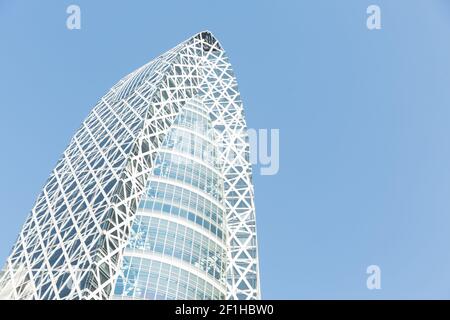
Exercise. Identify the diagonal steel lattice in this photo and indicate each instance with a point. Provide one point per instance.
(72, 243)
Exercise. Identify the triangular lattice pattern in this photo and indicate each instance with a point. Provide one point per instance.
(72, 243)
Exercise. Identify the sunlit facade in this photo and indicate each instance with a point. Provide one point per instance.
(153, 198)
(177, 245)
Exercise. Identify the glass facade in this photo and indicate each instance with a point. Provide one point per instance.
(180, 219)
(153, 197)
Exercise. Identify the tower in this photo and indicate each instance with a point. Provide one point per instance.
(155, 188)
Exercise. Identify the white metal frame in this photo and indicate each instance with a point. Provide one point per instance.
(71, 245)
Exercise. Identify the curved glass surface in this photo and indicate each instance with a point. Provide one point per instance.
(178, 235)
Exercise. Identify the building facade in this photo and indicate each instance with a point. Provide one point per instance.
(153, 197)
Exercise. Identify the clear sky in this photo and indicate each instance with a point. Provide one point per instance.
(364, 119)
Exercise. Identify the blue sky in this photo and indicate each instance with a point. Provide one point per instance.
(364, 119)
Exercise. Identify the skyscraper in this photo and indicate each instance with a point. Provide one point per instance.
(153, 197)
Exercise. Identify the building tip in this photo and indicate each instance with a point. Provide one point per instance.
(209, 37)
